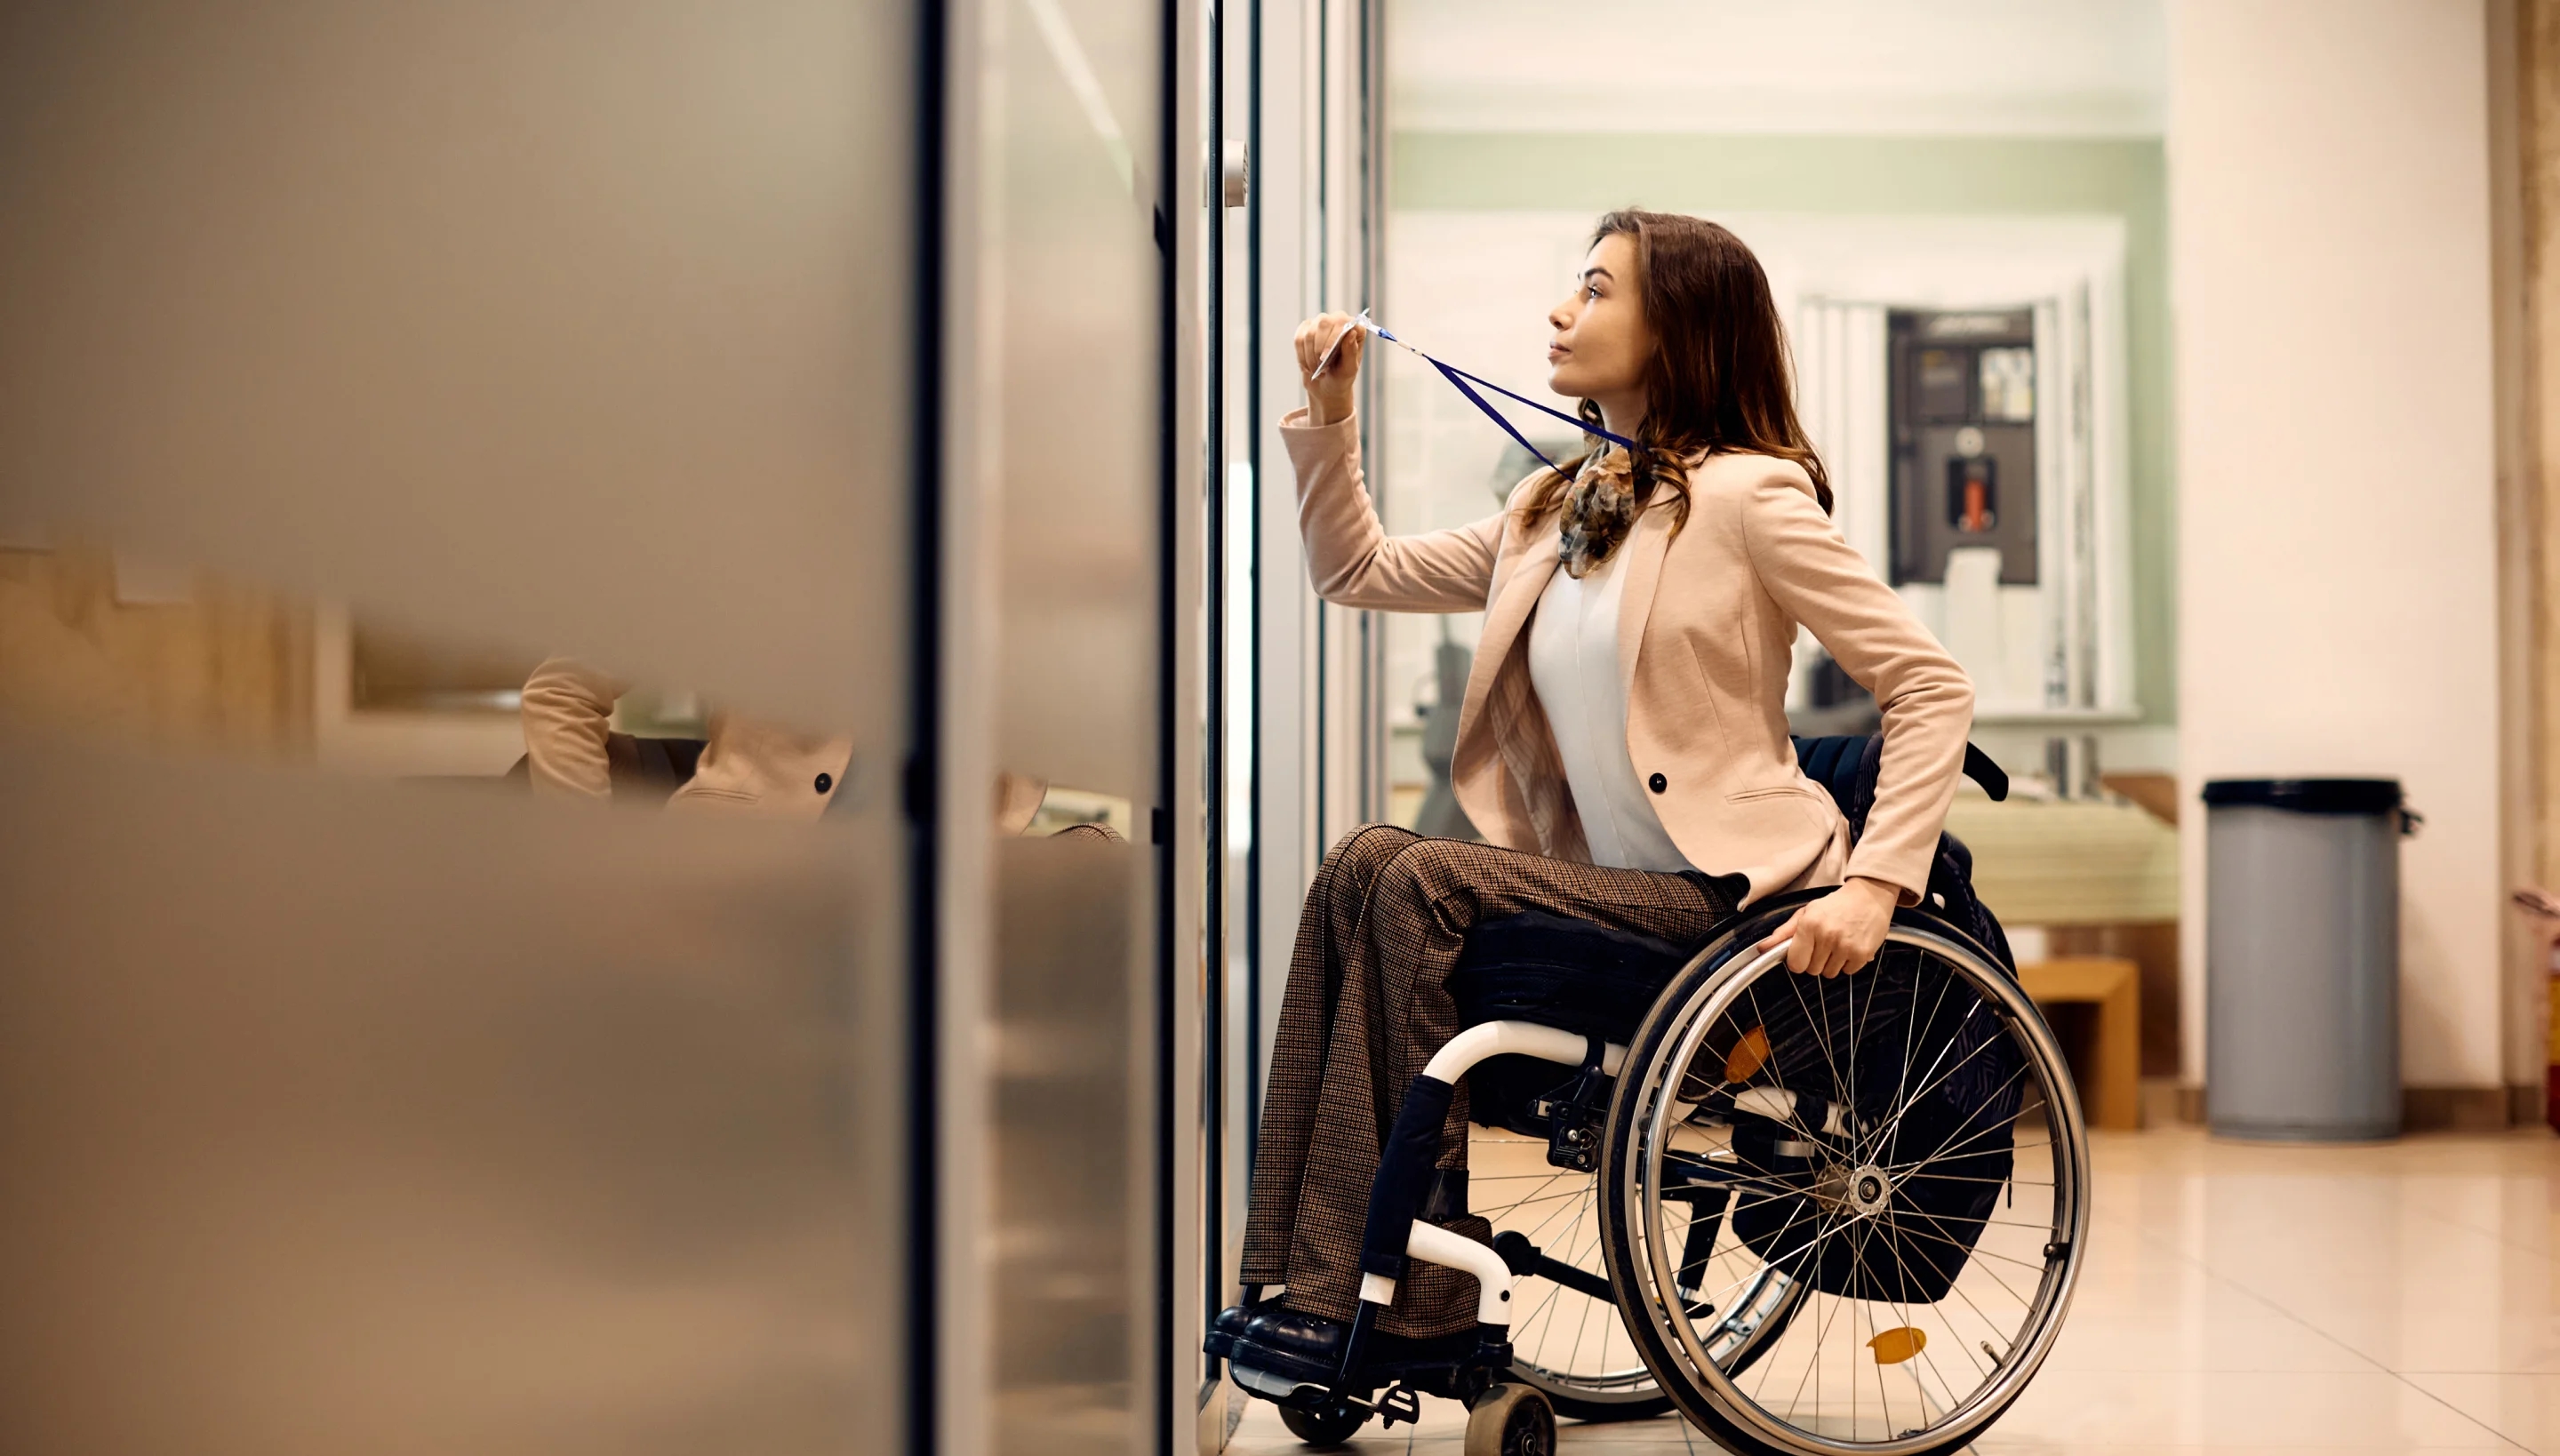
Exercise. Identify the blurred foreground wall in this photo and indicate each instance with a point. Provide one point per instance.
(345, 1114)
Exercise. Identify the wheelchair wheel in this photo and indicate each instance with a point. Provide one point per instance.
(1894, 1159)
(1571, 1343)
(1511, 1421)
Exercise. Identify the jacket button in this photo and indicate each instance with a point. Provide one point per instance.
(1658, 783)
(827, 781)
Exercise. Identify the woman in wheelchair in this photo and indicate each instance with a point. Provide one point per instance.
(1623, 746)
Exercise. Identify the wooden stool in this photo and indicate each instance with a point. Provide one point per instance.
(2112, 1089)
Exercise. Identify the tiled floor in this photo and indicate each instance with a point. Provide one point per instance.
(2247, 1297)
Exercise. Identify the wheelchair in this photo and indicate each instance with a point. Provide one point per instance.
(1816, 1217)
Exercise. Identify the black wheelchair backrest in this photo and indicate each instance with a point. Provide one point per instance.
(1845, 765)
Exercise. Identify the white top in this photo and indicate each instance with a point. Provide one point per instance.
(1574, 666)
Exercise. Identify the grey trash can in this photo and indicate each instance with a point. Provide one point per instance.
(2301, 957)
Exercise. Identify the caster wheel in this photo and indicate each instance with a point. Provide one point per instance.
(1322, 1430)
(1511, 1421)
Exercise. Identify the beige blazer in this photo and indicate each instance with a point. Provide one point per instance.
(746, 765)
(1705, 637)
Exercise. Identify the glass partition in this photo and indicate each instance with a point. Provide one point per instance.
(1058, 642)
(361, 1094)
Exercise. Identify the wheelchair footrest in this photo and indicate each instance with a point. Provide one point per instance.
(1433, 1366)
(1399, 1403)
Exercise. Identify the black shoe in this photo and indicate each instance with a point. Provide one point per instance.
(1284, 1342)
(1229, 1326)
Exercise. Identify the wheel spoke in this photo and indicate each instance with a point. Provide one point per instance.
(1552, 1290)
(1902, 1077)
(1884, 1137)
(1533, 1198)
(1974, 1255)
(1778, 1074)
(1563, 1201)
(1861, 1020)
(1817, 1020)
(1807, 1211)
(1976, 1178)
(1954, 1287)
(1910, 1163)
(1577, 1208)
(1858, 1261)
(1773, 1185)
(1822, 1332)
(1988, 1104)
(1976, 1249)
(1933, 1077)
(1904, 1313)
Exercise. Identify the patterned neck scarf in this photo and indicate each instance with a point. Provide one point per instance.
(1599, 510)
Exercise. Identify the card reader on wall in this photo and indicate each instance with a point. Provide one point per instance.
(1962, 402)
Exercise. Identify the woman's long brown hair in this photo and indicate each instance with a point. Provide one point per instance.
(1719, 378)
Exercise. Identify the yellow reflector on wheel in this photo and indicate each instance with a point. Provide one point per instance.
(1748, 1056)
(1896, 1345)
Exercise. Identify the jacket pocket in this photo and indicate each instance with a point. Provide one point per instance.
(1783, 811)
(697, 793)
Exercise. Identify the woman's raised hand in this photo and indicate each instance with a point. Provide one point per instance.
(1329, 395)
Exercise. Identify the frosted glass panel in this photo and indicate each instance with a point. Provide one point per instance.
(1072, 1226)
(340, 1114)
(369, 1117)
(1070, 426)
(1073, 408)
(578, 326)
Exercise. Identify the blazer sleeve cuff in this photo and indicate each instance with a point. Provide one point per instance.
(1298, 425)
(1319, 452)
(1910, 881)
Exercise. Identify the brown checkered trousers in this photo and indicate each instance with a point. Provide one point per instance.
(1367, 1005)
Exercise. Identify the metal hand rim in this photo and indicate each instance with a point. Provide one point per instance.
(2053, 1294)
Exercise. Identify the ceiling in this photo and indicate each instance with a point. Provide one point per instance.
(1853, 68)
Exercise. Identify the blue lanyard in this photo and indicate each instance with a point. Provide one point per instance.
(1466, 384)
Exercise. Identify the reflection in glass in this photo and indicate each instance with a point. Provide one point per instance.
(396, 671)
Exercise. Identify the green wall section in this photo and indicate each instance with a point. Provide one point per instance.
(1875, 176)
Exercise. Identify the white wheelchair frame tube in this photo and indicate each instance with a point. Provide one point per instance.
(1433, 1244)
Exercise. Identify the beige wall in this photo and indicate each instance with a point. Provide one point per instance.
(2329, 205)
(2531, 88)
